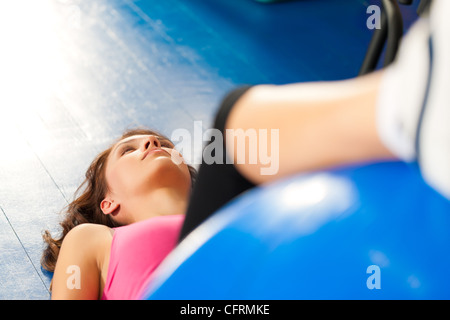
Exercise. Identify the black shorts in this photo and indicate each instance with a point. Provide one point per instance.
(216, 184)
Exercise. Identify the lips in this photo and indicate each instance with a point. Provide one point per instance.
(151, 151)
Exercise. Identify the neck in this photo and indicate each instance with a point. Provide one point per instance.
(161, 202)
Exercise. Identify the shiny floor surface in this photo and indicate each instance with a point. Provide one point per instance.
(75, 74)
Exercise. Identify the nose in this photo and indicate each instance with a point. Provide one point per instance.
(151, 142)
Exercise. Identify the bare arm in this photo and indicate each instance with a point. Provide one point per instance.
(320, 125)
(77, 274)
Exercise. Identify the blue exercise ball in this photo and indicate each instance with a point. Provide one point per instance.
(369, 232)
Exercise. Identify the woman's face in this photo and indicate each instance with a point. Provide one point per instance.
(142, 163)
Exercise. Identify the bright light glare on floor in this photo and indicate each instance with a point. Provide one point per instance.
(30, 60)
(33, 66)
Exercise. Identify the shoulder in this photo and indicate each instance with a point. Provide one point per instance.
(84, 248)
(86, 243)
(88, 239)
(88, 232)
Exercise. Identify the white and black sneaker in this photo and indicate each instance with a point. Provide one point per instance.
(414, 102)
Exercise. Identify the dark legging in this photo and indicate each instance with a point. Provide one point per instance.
(216, 183)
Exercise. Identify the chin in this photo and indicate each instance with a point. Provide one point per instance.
(166, 172)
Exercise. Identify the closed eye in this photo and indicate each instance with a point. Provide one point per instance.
(166, 144)
(126, 150)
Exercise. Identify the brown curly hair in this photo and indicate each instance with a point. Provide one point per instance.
(86, 206)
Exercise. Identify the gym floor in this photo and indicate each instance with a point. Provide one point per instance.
(75, 74)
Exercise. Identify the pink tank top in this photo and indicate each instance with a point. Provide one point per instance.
(136, 250)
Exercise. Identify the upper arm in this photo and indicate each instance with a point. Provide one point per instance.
(77, 272)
